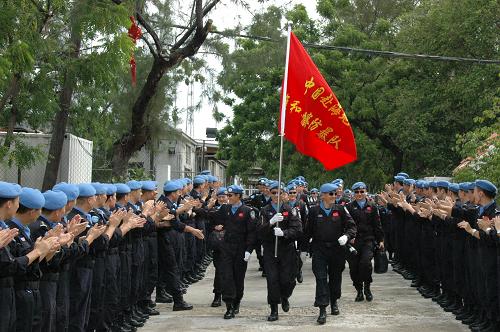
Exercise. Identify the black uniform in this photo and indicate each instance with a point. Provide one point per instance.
(369, 233)
(239, 236)
(281, 271)
(328, 262)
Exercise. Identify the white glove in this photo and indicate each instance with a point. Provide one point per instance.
(343, 240)
(303, 256)
(278, 232)
(276, 218)
(247, 256)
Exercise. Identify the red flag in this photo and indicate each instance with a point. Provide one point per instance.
(314, 119)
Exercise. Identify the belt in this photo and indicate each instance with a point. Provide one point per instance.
(50, 277)
(21, 285)
(6, 282)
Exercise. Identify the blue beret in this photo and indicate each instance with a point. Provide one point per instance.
(419, 184)
(31, 198)
(86, 190)
(172, 186)
(472, 185)
(408, 182)
(235, 189)
(314, 190)
(338, 182)
(149, 185)
(442, 184)
(134, 185)
(328, 187)
(263, 181)
(291, 186)
(454, 187)
(486, 185)
(54, 200)
(301, 178)
(464, 186)
(122, 188)
(71, 190)
(399, 178)
(358, 185)
(9, 190)
(347, 191)
(403, 174)
(100, 189)
(205, 172)
(222, 191)
(188, 180)
(110, 189)
(425, 184)
(274, 185)
(199, 179)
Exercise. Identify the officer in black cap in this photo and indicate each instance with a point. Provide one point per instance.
(330, 226)
(280, 224)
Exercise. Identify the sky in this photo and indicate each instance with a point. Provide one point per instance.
(226, 15)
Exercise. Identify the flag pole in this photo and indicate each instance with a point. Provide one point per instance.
(282, 127)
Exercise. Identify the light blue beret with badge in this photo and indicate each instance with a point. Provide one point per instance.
(9, 190)
(234, 189)
(199, 179)
(31, 198)
(358, 185)
(134, 185)
(170, 186)
(408, 182)
(454, 187)
(442, 184)
(149, 185)
(399, 178)
(71, 190)
(86, 190)
(403, 174)
(122, 188)
(222, 191)
(487, 186)
(100, 189)
(328, 187)
(110, 189)
(54, 200)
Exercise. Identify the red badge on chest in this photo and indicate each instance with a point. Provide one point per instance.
(240, 214)
(342, 203)
(369, 209)
(285, 214)
(335, 214)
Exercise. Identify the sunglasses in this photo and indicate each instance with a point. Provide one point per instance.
(292, 192)
(332, 193)
(230, 195)
(274, 193)
(359, 191)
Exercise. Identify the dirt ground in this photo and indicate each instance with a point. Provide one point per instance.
(396, 307)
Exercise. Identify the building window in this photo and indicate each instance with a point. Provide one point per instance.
(188, 155)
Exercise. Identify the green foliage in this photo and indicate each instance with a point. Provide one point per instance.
(405, 113)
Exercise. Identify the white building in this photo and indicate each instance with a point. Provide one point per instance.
(75, 166)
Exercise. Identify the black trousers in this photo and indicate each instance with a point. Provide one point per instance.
(232, 272)
(96, 318)
(218, 271)
(360, 265)
(327, 266)
(80, 296)
(28, 309)
(48, 293)
(125, 276)
(151, 265)
(281, 271)
(168, 266)
(112, 289)
(7, 308)
(137, 272)
(62, 300)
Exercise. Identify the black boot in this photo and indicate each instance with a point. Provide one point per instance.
(285, 305)
(368, 292)
(163, 297)
(236, 307)
(335, 308)
(322, 315)
(182, 305)
(274, 313)
(359, 296)
(229, 311)
(217, 301)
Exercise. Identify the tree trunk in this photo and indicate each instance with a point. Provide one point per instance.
(139, 132)
(61, 119)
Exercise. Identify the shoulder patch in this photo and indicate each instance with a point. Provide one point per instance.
(252, 214)
(294, 212)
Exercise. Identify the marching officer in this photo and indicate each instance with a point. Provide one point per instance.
(369, 233)
(282, 224)
(330, 226)
(238, 221)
